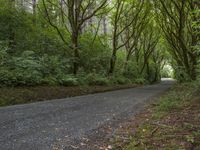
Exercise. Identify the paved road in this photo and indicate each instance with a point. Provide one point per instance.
(50, 124)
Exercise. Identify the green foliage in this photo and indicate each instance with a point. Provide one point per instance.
(181, 75)
(96, 79)
(50, 80)
(6, 77)
(139, 81)
(94, 55)
(165, 74)
(68, 80)
(177, 97)
(37, 56)
(119, 79)
(132, 69)
(24, 70)
(33, 53)
(169, 103)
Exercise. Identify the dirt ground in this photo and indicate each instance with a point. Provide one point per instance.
(21, 95)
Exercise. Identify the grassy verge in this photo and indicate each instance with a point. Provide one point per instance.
(21, 95)
(172, 123)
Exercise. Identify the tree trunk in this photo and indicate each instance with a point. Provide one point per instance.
(148, 72)
(114, 53)
(143, 66)
(113, 62)
(34, 10)
(104, 26)
(156, 75)
(11, 42)
(126, 61)
(76, 53)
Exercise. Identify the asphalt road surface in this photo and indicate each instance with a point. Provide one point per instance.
(52, 124)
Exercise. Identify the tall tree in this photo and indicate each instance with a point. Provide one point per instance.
(175, 18)
(34, 4)
(74, 14)
(137, 27)
(123, 18)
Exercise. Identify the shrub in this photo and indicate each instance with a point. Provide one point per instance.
(7, 77)
(3, 54)
(140, 81)
(68, 80)
(94, 56)
(28, 77)
(23, 70)
(50, 80)
(120, 80)
(82, 78)
(181, 75)
(99, 81)
(53, 65)
(27, 69)
(95, 79)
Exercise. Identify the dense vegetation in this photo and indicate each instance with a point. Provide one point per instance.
(48, 44)
(64, 42)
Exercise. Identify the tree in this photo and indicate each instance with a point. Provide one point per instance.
(125, 14)
(175, 19)
(137, 27)
(74, 14)
(34, 4)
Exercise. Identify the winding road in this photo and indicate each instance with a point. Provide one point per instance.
(51, 125)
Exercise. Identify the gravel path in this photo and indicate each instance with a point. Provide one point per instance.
(51, 125)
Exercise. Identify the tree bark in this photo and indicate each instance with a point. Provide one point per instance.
(34, 10)
(104, 26)
(126, 61)
(76, 53)
(113, 62)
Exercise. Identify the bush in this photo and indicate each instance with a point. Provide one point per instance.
(53, 65)
(27, 69)
(120, 80)
(28, 77)
(68, 80)
(3, 54)
(50, 80)
(23, 70)
(181, 75)
(82, 79)
(7, 77)
(140, 81)
(95, 79)
(95, 56)
(99, 81)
